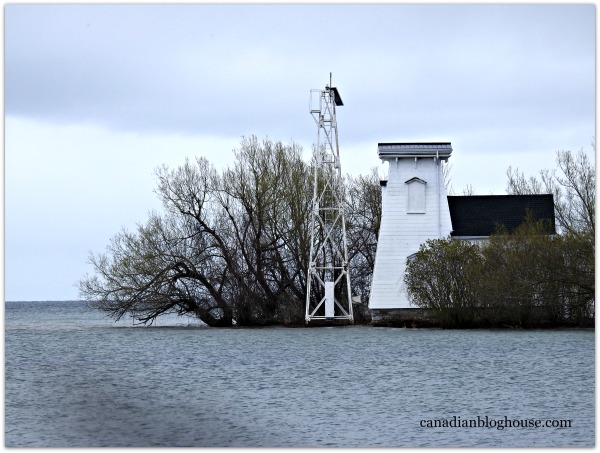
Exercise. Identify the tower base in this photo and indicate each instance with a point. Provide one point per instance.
(327, 322)
(403, 317)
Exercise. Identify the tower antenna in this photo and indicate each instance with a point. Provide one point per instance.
(328, 294)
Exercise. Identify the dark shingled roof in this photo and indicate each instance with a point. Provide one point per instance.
(479, 215)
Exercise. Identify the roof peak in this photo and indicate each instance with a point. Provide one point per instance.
(503, 195)
(417, 149)
(414, 143)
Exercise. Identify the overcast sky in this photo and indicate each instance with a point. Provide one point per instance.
(98, 96)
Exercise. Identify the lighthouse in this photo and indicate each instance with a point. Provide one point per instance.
(414, 209)
(328, 289)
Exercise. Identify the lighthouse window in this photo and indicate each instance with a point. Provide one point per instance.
(416, 196)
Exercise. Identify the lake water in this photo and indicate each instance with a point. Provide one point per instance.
(74, 378)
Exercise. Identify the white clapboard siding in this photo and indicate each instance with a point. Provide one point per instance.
(402, 232)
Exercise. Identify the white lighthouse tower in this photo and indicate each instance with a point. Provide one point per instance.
(414, 209)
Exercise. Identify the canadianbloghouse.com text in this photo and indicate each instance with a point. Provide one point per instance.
(498, 423)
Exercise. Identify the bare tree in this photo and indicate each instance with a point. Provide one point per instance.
(469, 191)
(519, 184)
(447, 175)
(573, 185)
(173, 263)
(266, 199)
(230, 247)
(363, 219)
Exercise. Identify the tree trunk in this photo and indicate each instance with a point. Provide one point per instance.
(216, 317)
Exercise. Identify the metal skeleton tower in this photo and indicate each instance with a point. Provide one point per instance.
(328, 295)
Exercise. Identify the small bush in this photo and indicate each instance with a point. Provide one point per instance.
(441, 277)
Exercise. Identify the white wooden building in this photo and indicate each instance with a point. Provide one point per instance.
(414, 209)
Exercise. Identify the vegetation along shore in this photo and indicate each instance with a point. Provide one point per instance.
(232, 248)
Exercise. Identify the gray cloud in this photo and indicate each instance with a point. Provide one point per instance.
(229, 69)
(98, 95)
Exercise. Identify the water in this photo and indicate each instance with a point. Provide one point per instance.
(73, 378)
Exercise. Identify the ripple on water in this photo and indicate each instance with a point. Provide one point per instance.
(96, 385)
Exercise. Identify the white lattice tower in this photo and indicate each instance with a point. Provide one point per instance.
(328, 295)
